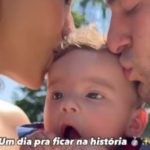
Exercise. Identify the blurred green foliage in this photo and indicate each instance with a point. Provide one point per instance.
(79, 19)
(33, 103)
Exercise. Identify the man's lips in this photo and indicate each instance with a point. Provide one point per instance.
(144, 92)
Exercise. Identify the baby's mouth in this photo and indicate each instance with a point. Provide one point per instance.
(70, 133)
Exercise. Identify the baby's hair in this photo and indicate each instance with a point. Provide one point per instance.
(86, 37)
(71, 48)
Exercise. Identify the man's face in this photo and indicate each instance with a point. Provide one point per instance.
(129, 35)
(30, 30)
(88, 96)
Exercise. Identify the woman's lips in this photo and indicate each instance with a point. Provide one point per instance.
(127, 73)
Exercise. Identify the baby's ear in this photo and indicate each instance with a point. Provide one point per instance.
(137, 123)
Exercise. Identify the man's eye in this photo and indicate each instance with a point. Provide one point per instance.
(94, 95)
(57, 95)
(133, 9)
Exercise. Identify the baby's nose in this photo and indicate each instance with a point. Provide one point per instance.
(69, 106)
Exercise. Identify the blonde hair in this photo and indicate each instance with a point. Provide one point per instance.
(86, 35)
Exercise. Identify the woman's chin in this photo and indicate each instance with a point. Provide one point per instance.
(144, 92)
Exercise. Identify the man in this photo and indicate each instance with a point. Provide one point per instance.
(129, 36)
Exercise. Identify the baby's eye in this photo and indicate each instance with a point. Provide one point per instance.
(94, 95)
(57, 95)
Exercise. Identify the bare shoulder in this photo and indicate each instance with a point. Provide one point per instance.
(11, 116)
(8, 110)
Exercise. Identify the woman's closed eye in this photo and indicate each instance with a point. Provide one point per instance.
(68, 2)
(94, 96)
(57, 95)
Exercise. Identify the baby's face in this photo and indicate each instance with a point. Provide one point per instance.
(88, 96)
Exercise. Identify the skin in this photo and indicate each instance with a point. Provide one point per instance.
(11, 117)
(29, 31)
(68, 100)
(129, 36)
(43, 135)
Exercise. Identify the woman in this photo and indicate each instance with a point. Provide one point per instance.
(29, 30)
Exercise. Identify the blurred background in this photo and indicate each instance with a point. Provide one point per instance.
(84, 12)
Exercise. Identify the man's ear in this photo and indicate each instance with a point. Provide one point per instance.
(137, 123)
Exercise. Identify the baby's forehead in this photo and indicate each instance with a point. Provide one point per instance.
(102, 52)
(84, 60)
(89, 63)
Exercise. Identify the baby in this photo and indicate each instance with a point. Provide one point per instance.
(88, 94)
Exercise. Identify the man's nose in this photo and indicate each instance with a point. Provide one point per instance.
(118, 35)
(69, 106)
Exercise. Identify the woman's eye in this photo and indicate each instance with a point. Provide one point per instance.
(57, 95)
(94, 96)
(68, 2)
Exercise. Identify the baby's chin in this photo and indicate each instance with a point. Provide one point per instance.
(77, 147)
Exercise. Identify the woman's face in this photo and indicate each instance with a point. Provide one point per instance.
(30, 29)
